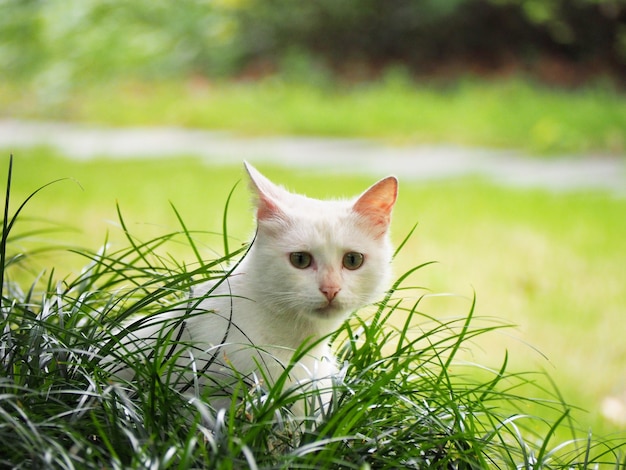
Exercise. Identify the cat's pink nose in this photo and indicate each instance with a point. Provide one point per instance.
(330, 292)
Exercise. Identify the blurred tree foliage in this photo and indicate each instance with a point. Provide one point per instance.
(421, 34)
(100, 39)
(68, 41)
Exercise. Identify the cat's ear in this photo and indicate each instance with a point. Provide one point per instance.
(375, 204)
(267, 193)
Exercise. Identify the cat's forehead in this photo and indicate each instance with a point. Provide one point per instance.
(298, 203)
(324, 225)
(315, 217)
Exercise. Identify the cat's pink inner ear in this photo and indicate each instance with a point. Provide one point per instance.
(376, 203)
(266, 208)
(265, 192)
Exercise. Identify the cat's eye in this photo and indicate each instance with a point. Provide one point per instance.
(353, 260)
(301, 259)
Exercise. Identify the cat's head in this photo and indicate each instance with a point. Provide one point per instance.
(320, 258)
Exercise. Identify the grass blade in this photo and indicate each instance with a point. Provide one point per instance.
(187, 235)
(225, 220)
(5, 232)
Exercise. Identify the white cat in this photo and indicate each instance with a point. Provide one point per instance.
(310, 265)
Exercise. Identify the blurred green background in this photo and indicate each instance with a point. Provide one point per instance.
(542, 76)
(79, 40)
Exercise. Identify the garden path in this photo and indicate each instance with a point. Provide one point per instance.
(422, 162)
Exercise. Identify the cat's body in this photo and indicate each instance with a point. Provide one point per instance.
(310, 265)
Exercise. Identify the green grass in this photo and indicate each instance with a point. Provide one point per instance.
(505, 114)
(550, 263)
(409, 398)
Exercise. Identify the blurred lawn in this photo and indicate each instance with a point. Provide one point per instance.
(551, 263)
(507, 114)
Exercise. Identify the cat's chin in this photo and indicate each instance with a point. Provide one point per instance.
(329, 311)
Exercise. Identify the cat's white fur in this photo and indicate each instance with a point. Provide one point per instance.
(269, 303)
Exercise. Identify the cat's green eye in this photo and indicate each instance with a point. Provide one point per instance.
(353, 260)
(301, 259)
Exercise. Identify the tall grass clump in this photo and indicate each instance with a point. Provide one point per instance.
(399, 402)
